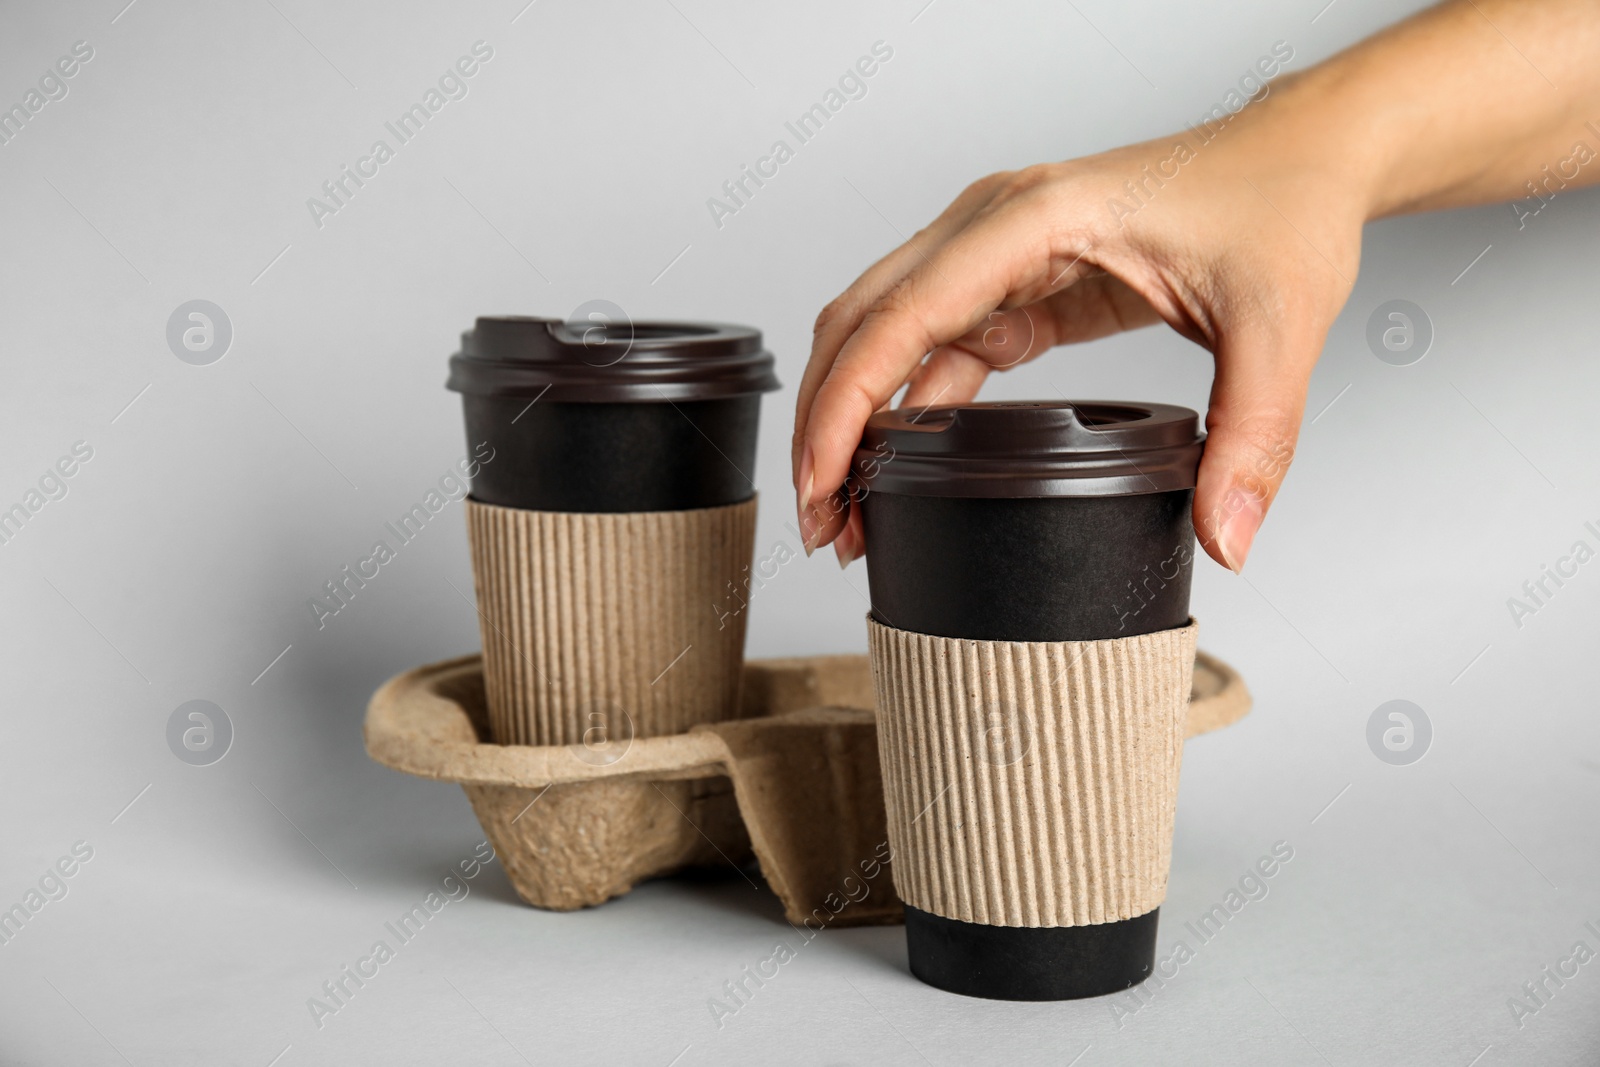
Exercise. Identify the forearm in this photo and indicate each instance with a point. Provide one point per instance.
(1465, 103)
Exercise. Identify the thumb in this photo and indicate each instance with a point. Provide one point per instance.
(1257, 401)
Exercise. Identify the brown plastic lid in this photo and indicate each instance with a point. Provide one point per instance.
(623, 362)
(1033, 448)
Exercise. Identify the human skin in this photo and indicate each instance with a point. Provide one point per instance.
(1250, 251)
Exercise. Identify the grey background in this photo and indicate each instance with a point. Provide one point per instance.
(178, 566)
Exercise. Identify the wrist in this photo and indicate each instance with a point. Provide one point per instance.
(1313, 125)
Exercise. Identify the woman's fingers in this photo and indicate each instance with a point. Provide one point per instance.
(844, 313)
(1095, 306)
(850, 545)
(1098, 306)
(950, 375)
(1257, 400)
(838, 321)
(939, 301)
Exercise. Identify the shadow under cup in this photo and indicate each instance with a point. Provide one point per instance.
(1030, 522)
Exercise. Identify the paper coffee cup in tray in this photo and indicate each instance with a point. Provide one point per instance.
(612, 515)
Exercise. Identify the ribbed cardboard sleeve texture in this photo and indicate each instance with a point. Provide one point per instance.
(1031, 784)
(598, 628)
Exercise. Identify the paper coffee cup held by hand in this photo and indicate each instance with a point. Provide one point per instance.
(1029, 568)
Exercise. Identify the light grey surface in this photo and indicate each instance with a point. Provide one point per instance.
(219, 498)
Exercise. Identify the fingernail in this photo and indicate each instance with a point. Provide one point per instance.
(810, 530)
(806, 483)
(1239, 531)
(845, 547)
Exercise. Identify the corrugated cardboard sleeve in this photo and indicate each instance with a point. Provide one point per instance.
(1031, 784)
(631, 624)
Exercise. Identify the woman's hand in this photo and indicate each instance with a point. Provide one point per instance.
(1228, 242)
(1243, 237)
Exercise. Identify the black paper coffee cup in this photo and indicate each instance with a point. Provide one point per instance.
(613, 417)
(611, 520)
(1033, 521)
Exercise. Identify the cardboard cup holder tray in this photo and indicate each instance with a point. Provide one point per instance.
(794, 782)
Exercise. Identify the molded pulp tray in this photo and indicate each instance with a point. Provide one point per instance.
(795, 781)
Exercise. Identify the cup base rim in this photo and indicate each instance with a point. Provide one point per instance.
(1030, 963)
